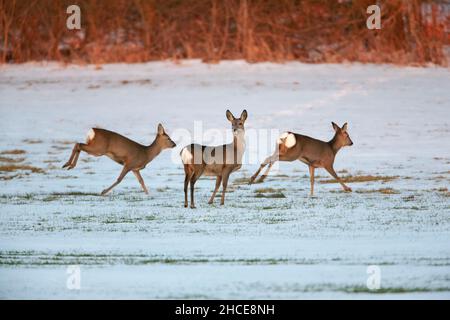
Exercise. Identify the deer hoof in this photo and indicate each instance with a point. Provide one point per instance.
(104, 192)
(193, 207)
(348, 189)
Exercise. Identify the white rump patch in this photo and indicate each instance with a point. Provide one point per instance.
(186, 156)
(289, 139)
(90, 135)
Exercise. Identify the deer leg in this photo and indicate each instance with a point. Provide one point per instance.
(331, 171)
(76, 153)
(124, 172)
(74, 150)
(311, 178)
(187, 178)
(141, 181)
(264, 175)
(218, 181)
(268, 160)
(194, 178)
(225, 177)
(252, 179)
(74, 156)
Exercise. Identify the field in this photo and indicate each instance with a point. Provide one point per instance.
(270, 240)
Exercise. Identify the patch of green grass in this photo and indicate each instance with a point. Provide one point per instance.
(274, 220)
(407, 208)
(32, 141)
(409, 198)
(83, 218)
(113, 220)
(268, 190)
(10, 177)
(74, 193)
(270, 195)
(60, 148)
(364, 289)
(28, 196)
(243, 180)
(280, 176)
(50, 198)
(134, 199)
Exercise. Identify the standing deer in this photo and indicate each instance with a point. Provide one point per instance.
(218, 161)
(315, 153)
(132, 155)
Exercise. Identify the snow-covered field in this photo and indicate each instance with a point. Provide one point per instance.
(270, 240)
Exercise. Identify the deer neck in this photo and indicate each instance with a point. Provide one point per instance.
(153, 150)
(335, 144)
(239, 143)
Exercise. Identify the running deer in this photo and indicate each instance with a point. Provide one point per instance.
(132, 155)
(218, 161)
(315, 153)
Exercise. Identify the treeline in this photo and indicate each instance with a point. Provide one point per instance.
(413, 31)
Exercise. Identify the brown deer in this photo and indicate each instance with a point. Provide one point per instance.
(315, 153)
(218, 161)
(132, 155)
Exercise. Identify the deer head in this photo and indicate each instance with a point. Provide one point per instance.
(163, 139)
(342, 137)
(237, 124)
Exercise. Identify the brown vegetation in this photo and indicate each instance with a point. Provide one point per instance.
(413, 31)
(382, 190)
(15, 151)
(361, 179)
(13, 168)
(11, 160)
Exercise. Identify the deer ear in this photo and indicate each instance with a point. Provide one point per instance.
(344, 127)
(335, 126)
(244, 115)
(160, 129)
(230, 116)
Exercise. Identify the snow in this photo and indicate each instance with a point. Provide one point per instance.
(130, 245)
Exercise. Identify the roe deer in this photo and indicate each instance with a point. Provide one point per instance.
(132, 155)
(315, 153)
(218, 161)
